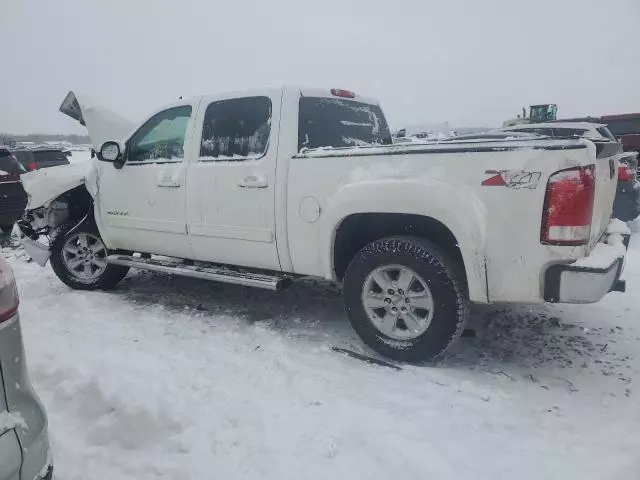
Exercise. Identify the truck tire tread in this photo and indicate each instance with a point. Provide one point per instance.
(445, 282)
(112, 275)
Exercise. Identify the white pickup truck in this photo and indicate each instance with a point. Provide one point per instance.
(261, 187)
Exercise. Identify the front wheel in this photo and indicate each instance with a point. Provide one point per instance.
(405, 298)
(79, 259)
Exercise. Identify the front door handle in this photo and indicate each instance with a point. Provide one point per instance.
(253, 182)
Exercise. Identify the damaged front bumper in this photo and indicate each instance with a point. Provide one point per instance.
(37, 251)
(589, 279)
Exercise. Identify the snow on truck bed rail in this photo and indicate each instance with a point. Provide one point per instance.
(441, 146)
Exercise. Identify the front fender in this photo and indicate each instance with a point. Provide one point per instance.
(455, 206)
(43, 186)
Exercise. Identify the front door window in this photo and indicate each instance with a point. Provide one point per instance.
(161, 138)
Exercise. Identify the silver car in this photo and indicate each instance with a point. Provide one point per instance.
(24, 445)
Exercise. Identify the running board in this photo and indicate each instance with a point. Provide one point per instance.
(215, 273)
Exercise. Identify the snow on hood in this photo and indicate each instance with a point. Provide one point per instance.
(102, 123)
(46, 184)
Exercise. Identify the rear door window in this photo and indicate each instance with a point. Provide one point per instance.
(339, 123)
(24, 157)
(236, 129)
(9, 164)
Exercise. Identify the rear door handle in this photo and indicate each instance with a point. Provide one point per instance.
(168, 184)
(253, 182)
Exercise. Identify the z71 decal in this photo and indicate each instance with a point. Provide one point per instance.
(512, 179)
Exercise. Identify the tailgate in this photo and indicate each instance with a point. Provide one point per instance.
(607, 154)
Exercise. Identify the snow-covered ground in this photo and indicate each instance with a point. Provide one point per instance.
(182, 379)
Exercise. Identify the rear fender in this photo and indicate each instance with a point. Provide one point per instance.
(455, 206)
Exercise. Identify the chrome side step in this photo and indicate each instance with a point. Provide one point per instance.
(215, 273)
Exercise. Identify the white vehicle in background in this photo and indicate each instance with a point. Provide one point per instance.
(259, 188)
(592, 131)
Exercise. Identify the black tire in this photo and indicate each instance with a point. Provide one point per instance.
(6, 228)
(443, 277)
(106, 280)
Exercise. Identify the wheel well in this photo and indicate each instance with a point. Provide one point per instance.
(359, 230)
(79, 202)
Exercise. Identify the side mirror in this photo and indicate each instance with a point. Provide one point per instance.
(109, 152)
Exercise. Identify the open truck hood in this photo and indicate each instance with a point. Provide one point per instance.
(46, 184)
(102, 124)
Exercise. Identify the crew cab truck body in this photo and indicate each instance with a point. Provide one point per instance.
(257, 188)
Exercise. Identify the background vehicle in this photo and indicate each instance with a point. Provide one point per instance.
(592, 131)
(24, 446)
(495, 135)
(626, 206)
(545, 112)
(288, 182)
(13, 198)
(626, 127)
(35, 158)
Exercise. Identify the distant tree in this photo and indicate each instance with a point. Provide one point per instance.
(7, 140)
(44, 137)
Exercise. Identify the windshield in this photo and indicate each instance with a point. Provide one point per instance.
(338, 123)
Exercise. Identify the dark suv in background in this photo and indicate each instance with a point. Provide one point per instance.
(13, 198)
(35, 158)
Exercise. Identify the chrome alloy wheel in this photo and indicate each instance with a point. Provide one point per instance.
(398, 302)
(85, 256)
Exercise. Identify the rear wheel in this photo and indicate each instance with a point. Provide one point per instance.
(405, 298)
(79, 259)
(6, 228)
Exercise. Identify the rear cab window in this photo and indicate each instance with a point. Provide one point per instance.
(339, 123)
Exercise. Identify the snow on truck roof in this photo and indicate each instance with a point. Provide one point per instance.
(274, 91)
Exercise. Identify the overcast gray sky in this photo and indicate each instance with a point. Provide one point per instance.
(469, 62)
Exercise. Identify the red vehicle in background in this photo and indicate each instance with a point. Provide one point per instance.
(627, 128)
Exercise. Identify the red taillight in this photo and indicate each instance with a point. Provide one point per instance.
(568, 207)
(336, 92)
(626, 173)
(33, 166)
(8, 292)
